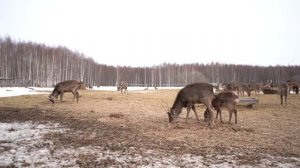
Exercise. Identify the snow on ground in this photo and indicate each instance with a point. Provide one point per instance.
(131, 88)
(22, 145)
(18, 91)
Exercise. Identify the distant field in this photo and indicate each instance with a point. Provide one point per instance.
(134, 123)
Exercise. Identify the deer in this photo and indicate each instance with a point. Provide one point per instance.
(219, 87)
(122, 86)
(66, 86)
(283, 88)
(233, 86)
(294, 86)
(224, 99)
(256, 87)
(200, 93)
(244, 87)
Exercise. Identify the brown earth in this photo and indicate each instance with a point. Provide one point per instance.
(138, 120)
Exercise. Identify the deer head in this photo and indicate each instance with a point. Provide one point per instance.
(51, 99)
(172, 114)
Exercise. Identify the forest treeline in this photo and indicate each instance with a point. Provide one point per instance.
(32, 64)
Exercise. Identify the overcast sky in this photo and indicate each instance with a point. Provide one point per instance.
(146, 33)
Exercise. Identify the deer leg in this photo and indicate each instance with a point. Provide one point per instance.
(217, 113)
(194, 109)
(285, 97)
(77, 96)
(61, 97)
(230, 107)
(230, 115)
(220, 112)
(189, 107)
(281, 99)
(188, 113)
(74, 95)
(235, 115)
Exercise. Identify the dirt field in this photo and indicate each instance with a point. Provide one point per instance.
(136, 125)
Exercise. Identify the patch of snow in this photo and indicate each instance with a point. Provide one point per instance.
(42, 89)
(279, 161)
(22, 145)
(18, 91)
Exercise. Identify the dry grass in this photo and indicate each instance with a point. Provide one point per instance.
(139, 119)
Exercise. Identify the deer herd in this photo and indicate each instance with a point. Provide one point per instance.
(198, 93)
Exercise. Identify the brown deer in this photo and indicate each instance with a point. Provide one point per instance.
(224, 99)
(122, 87)
(233, 86)
(294, 86)
(256, 87)
(188, 96)
(283, 88)
(66, 86)
(244, 87)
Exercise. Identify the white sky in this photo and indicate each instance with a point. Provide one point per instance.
(146, 33)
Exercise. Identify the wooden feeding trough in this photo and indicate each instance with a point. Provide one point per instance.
(249, 102)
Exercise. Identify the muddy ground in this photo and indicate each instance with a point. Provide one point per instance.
(136, 123)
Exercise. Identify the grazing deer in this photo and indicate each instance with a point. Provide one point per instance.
(122, 87)
(188, 96)
(224, 99)
(66, 86)
(283, 90)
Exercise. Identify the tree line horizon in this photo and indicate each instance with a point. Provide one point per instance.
(33, 64)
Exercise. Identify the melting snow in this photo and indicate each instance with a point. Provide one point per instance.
(18, 91)
(22, 145)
